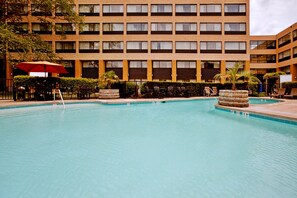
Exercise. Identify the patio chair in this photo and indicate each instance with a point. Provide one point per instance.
(279, 93)
(170, 91)
(206, 91)
(214, 91)
(292, 94)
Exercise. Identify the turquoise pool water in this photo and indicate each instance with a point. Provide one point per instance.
(153, 150)
(262, 101)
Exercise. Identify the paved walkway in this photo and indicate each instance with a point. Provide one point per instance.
(286, 109)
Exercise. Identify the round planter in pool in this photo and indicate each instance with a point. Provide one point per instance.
(234, 98)
(109, 93)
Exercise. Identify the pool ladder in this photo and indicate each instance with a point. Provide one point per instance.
(60, 94)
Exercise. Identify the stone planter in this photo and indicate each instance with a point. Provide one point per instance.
(237, 98)
(109, 93)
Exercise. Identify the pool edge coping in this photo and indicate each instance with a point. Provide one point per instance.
(264, 115)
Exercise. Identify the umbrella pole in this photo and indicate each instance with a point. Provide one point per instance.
(44, 95)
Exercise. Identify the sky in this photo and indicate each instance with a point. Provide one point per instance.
(269, 17)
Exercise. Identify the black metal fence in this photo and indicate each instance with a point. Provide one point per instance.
(6, 89)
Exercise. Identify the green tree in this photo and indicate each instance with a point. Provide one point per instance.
(273, 75)
(26, 45)
(108, 78)
(234, 74)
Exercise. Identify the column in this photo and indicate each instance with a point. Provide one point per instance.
(78, 69)
(173, 71)
(223, 70)
(149, 70)
(247, 66)
(9, 70)
(198, 71)
(125, 70)
(101, 68)
(293, 70)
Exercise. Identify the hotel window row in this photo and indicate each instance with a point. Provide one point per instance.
(186, 70)
(142, 9)
(137, 28)
(237, 47)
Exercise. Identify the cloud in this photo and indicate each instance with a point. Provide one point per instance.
(269, 17)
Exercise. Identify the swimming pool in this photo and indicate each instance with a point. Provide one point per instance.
(152, 150)
(262, 101)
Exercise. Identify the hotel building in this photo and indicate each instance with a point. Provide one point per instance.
(157, 40)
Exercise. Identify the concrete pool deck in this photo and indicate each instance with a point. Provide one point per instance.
(287, 109)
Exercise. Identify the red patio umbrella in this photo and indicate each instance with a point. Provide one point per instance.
(42, 66)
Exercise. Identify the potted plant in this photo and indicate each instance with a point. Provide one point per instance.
(234, 97)
(106, 80)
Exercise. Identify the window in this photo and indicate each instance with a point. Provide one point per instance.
(210, 10)
(210, 64)
(42, 28)
(270, 44)
(186, 47)
(65, 47)
(235, 9)
(294, 35)
(186, 70)
(113, 47)
(137, 47)
(231, 64)
(137, 10)
(90, 28)
(60, 12)
(161, 10)
(161, 28)
(210, 47)
(209, 70)
(113, 28)
(89, 9)
(113, 10)
(284, 40)
(186, 64)
(161, 47)
(138, 69)
(162, 64)
(210, 28)
(20, 27)
(65, 28)
(263, 58)
(186, 28)
(137, 64)
(116, 66)
(235, 28)
(70, 68)
(185, 10)
(15, 9)
(137, 28)
(235, 47)
(41, 10)
(90, 69)
(89, 47)
(295, 52)
(283, 56)
(162, 70)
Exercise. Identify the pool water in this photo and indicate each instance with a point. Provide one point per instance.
(262, 101)
(153, 150)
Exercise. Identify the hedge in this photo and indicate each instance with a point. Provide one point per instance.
(80, 86)
(184, 89)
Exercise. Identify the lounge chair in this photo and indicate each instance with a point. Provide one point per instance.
(214, 91)
(292, 94)
(280, 93)
(206, 91)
